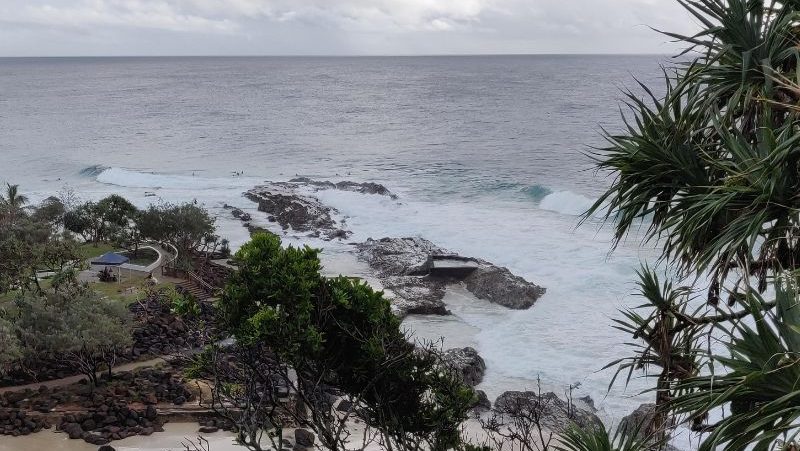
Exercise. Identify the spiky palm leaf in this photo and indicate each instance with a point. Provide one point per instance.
(713, 166)
(761, 382)
(596, 439)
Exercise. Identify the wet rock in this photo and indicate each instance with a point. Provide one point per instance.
(363, 188)
(415, 295)
(402, 257)
(556, 414)
(467, 363)
(300, 212)
(500, 286)
(398, 256)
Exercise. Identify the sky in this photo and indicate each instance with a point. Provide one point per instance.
(336, 27)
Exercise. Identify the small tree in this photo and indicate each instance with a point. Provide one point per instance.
(76, 327)
(323, 339)
(10, 351)
(186, 226)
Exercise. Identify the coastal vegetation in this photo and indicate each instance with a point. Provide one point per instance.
(336, 345)
(710, 171)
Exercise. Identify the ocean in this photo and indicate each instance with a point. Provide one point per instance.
(488, 154)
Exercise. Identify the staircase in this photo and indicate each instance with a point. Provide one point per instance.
(188, 286)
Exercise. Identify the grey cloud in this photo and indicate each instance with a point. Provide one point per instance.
(96, 27)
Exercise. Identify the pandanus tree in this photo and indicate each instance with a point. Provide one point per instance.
(710, 170)
(12, 202)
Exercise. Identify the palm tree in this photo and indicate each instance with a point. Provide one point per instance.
(13, 202)
(712, 171)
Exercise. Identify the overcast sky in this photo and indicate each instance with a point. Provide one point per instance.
(335, 27)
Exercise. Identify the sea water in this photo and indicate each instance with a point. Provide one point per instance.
(490, 158)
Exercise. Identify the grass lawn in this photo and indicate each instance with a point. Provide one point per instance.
(90, 250)
(128, 290)
(144, 257)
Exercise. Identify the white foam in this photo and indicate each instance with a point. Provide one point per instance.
(129, 178)
(567, 202)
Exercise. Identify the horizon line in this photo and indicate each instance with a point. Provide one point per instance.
(343, 55)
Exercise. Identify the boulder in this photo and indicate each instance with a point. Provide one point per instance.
(481, 402)
(415, 295)
(467, 363)
(498, 285)
(304, 438)
(555, 413)
(641, 421)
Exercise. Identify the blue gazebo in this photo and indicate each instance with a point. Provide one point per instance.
(112, 259)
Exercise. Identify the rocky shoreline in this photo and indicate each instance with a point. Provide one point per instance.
(405, 267)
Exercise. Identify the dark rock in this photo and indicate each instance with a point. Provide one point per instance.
(208, 429)
(556, 414)
(467, 363)
(151, 413)
(304, 438)
(95, 439)
(363, 188)
(299, 212)
(481, 401)
(344, 406)
(73, 430)
(500, 286)
(413, 295)
(106, 448)
(641, 421)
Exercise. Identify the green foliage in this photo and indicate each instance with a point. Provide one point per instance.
(342, 333)
(186, 226)
(181, 304)
(10, 351)
(12, 203)
(596, 439)
(76, 327)
(761, 382)
(712, 168)
(109, 219)
(30, 243)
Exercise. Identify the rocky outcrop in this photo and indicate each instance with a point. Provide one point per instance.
(554, 413)
(412, 295)
(398, 256)
(363, 188)
(410, 260)
(296, 211)
(467, 363)
(499, 285)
